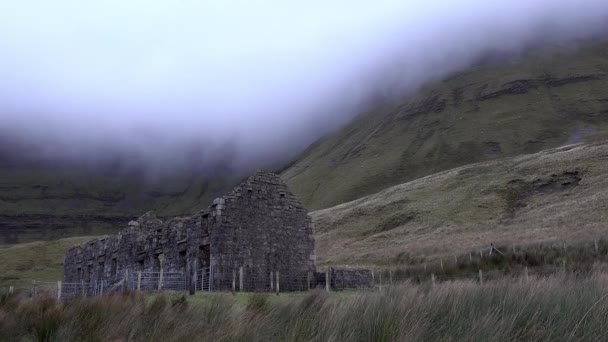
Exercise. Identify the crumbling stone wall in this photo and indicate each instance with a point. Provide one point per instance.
(260, 227)
(141, 247)
(349, 278)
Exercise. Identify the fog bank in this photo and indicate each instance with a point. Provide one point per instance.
(238, 83)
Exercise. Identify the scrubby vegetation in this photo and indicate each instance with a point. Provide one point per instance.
(558, 308)
(555, 196)
(41, 261)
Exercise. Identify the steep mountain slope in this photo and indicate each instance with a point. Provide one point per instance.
(556, 195)
(45, 202)
(553, 96)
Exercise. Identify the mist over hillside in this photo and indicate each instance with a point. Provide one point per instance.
(552, 96)
(114, 108)
(241, 84)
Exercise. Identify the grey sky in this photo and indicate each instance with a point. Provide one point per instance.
(257, 78)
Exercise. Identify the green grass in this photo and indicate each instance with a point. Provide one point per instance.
(47, 203)
(555, 196)
(551, 97)
(40, 261)
(517, 201)
(542, 309)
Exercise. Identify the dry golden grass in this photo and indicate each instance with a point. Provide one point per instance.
(520, 200)
(541, 309)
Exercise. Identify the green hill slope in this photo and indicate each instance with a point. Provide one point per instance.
(558, 195)
(550, 98)
(552, 197)
(40, 261)
(42, 203)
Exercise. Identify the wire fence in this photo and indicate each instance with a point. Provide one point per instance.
(240, 280)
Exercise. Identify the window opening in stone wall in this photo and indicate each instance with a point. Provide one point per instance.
(157, 263)
(182, 261)
(113, 270)
(100, 272)
(204, 256)
(140, 265)
(205, 224)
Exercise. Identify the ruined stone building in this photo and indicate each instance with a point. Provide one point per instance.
(260, 227)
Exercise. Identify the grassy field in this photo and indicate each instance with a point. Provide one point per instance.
(540, 309)
(553, 96)
(556, 196)
(41, 261)
(533, 203)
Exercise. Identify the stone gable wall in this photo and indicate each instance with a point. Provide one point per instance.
(262, 227)
(259, 226)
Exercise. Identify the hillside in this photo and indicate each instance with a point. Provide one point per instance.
(554, 196)
(553, 96)
(41, 261)
(559, 195)
(46, 203)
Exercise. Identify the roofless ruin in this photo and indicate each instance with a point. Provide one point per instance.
(258, 228)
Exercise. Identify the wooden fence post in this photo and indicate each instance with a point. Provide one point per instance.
(597, 247)
(470, 257)
(456, 260)
(480, 277)
(564, 266)
(160, 278)
(233, 281)
(390, 275)
(425, 268)
(433, 279)
(278, 288)
(193, 277)
(241, 279)
(101, 289)
(59, 290)
(271, 281)
(139, 281)
(161, 259)
(217, 284)
(526, 273)
(327, 280)
(380, 281)
(11, 289)
(308, 279)
(126, 280)
(211, 276)
(34, 289)
(441, 262)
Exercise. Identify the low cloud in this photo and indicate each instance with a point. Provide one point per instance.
(241, 84)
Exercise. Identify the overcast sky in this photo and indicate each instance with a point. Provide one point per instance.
(250, 79)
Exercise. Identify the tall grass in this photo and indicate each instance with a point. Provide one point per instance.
(557, 308)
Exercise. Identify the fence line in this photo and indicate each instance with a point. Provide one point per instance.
(273, 282)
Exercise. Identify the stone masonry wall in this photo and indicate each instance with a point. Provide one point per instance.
(259, 226)
(138, 248)
(262, 227)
